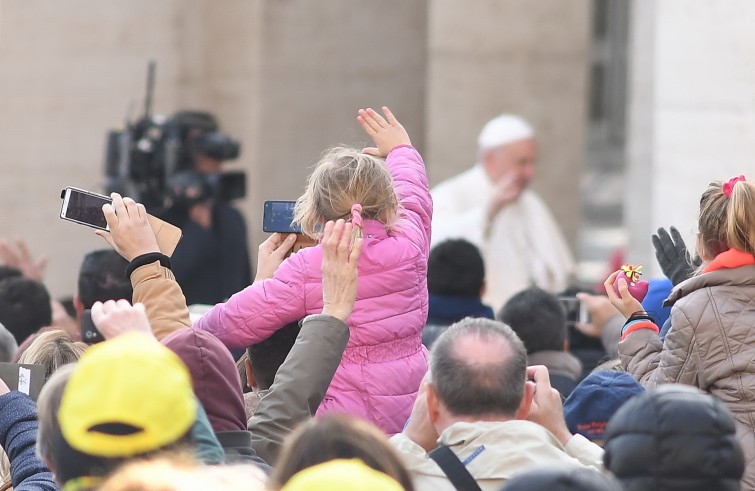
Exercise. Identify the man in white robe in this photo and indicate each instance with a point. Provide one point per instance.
(490, 206)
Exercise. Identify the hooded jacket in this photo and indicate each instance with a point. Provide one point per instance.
(385, 360)
(675, 438)
(711, 343)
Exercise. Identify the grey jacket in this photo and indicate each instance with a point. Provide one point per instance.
(711, 345)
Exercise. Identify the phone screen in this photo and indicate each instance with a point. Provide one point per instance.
(83, 207)
(278, 217)
(576, 311)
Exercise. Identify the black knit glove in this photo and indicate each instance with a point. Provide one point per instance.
(673, 257)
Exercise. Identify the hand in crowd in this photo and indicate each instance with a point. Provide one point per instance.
(419, 429)
(507, 190)
(387, 134)
(18, 256)
(114, 318)
(673, 256)
(601, 309)
(271, 254)
(130, 232)
(626, 304)
(339, 269)
(547, 410)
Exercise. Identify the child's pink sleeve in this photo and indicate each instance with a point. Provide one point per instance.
(410, 179)
(255, 313)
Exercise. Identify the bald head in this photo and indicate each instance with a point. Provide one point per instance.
(479, 367)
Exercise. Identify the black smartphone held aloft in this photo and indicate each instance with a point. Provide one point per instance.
(84, 207)
(576, 311)
(89, 332)
(278, 217)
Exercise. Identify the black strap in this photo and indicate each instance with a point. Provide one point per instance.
(452, 467)
(148, 258)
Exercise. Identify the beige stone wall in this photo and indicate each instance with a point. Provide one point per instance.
(487, 57)
(692, 110)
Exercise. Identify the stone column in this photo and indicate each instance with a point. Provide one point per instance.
(692, 111)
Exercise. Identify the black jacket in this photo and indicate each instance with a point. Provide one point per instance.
(674, 438)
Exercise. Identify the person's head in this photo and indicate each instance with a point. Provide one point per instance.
(674, 437)
(9, 272)
(342, 178)
(456, 268)
(214, 377)
(53, 349)
(342, 475)
(110, 407)
(8, 345)
(266, 357)
(24, 306)
(102, 277)
(478, 371)
(726, 222)
(507, 146)
(538, 318)
(338, 437)
(562, 478)
(596, 399)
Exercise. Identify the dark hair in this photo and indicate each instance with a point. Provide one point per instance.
(334, 437)
(455, 268)
(102, 277)
(538, 318)
(9, 272)
(267, 356)
(468, 387)
(24, 306)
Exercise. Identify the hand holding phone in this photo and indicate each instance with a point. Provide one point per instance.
(86, 208)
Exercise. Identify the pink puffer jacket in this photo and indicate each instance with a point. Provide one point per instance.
(385, 361)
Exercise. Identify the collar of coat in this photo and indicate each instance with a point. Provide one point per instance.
(732, 267)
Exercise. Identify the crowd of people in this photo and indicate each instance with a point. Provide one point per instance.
(373, 361)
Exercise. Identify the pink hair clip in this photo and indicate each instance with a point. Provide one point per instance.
(356, 215)
(728, 187)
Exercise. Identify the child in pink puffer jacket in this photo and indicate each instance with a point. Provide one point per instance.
(389, 202)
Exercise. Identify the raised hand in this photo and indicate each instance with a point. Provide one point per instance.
(673, 256)
(339, 269)
(626, 304)
(130, 233)
(19, 257)
(271, 254)
(114, 318)
(387, 133)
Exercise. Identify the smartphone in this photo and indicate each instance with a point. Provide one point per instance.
(84, 207)
(278, 216)
(576, 311)
(89, 332)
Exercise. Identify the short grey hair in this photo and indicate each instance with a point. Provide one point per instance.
(467, 388)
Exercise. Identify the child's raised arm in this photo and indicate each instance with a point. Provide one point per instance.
(407, 170)
(387, 135)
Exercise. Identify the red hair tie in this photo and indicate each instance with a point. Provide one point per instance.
(356, 215)
(728, 187)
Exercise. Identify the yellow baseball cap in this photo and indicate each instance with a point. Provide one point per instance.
(129, 395)
(341, 475)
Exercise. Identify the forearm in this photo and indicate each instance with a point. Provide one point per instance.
(407, 169)
(18, 437)
(156, 287)
(586, 452)
(300, 384)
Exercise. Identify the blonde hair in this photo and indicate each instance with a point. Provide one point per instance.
(53, 349)
(344, 177)
(727, 222)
